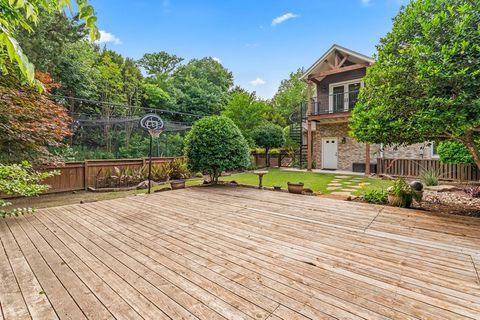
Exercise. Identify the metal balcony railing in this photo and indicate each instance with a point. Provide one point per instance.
(335, 103)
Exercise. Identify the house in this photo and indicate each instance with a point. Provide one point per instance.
(334, 81)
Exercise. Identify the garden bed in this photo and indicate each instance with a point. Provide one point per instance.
(450, 202)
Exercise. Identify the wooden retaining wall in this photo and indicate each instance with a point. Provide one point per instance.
(412, 168)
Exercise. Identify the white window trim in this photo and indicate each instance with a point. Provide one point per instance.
(433, 155)
(345, 84)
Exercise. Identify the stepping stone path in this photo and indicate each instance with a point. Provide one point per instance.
(343, 186)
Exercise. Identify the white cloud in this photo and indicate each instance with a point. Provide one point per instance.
(217, 59)
(257, 82)
(285, 17)
(107, 37)
(366, 2)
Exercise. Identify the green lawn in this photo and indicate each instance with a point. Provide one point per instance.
(315, 181)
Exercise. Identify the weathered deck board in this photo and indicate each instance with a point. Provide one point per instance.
(236, 253)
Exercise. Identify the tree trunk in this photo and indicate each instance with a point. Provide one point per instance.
(469, 141)
(267, 157)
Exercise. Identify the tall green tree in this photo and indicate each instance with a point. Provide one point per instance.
(160, 65)
(46, 43)
(291, 93)
(20, 14)
(202, 87)
(247, 112)
(425, 82)
(269, 136)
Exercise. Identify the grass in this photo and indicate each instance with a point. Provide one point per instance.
(318, 182)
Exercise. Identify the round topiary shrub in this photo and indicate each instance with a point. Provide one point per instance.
(215, 144)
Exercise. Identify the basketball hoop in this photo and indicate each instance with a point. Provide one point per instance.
(155, 132)
(154, 125)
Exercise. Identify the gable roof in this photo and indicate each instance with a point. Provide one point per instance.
(320, 64)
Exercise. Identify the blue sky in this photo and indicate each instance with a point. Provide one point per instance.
(260, 41)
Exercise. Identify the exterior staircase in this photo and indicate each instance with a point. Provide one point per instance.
(297, 121)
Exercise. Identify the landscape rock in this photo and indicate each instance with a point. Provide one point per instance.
(144, 184)
(443, 188)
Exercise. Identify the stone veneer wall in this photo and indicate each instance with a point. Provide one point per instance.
(352, 151)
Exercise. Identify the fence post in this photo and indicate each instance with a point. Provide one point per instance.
(85, 174)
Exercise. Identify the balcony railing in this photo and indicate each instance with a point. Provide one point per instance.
(335, 103)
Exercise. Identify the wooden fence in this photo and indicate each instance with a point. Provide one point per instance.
(80, 175)
(412, 168)
(282, 159)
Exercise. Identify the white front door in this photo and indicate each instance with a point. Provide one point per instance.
(329, 153)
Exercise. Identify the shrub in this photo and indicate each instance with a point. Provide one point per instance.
(178, 170)
(430, 177)
(473, 192)
(378, 196)
(454, 152)
(215, 144)
(275, 152)
(21, 179)
(405, 194)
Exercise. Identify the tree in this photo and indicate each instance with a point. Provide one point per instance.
(18, 14)
(160, 65)
(202, 87)
(247, 112)
(30, 123)
(215, 144)
(268, 137)
(291, 94)
(425, 82)
(45, 44)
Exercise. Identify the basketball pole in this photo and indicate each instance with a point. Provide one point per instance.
(150, 166)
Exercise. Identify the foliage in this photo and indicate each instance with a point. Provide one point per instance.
(269, 136)
(424, 84)
(46, 43)
(378, 196)
(405, 194)
(19, 14)
(247, 112)
(160, 65)
(291, 94)
(178, 169)
(29, 122)
(455, 152)
(202, 87)
(215, 144)
(430, 177)
(473, 192)
(20, 179)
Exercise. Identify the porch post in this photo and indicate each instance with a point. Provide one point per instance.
(367, 159)
(309, 127)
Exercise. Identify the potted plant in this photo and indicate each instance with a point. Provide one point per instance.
(401, 194)
(178, 172)
(296, 188)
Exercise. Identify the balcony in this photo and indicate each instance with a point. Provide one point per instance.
(333, 104)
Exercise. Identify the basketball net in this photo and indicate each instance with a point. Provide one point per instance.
(155, 132)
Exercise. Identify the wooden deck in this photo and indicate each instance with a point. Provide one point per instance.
(215, 253)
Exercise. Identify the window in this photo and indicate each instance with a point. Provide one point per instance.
(433, 147)
(343, 95)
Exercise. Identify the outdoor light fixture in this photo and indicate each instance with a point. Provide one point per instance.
(344, 140)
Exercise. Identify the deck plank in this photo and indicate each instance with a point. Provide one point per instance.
(238, 253)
